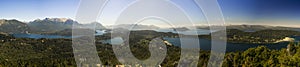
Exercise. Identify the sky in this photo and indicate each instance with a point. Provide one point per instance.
(262, 12)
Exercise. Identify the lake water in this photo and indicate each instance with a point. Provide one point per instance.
(113, 41)
(38, 36)
(101, 32)
(188, 32)
(205, 44)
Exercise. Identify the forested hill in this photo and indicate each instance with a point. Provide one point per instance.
(254, 27)
(258, 37)
(25, 52)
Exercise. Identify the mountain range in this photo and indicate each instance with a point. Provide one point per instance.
(13, 26)
(43, 26)
(252, 28)
(134, 27)
(50, 25)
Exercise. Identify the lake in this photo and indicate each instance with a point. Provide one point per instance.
(205, 44)
(101, 32)
(188, 32)
(39, 36)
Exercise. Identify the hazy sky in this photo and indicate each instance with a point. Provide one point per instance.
(267, 12)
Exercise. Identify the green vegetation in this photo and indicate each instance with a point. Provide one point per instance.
(258, 37)
(262, 56)
(25, 52)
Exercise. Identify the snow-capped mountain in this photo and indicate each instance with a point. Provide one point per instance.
(57, 24)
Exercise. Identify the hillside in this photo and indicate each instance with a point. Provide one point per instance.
(258, 37)
(13, 26)
(252, 28)
(25, 52)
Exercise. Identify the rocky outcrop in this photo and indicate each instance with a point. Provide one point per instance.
(286, 39)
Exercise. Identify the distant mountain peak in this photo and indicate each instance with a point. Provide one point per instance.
(43, 25)
(55, 20)
(134, 27)
(251, 28)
